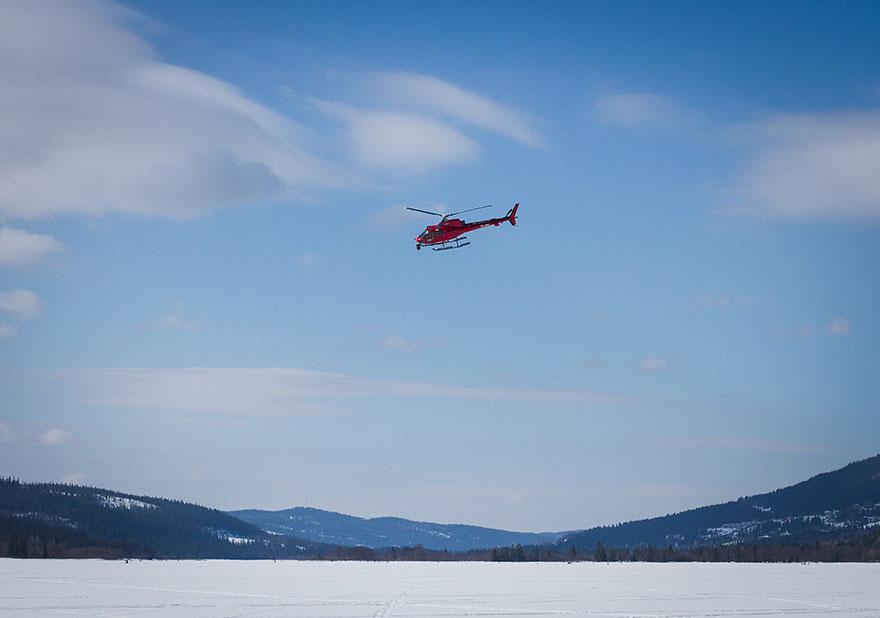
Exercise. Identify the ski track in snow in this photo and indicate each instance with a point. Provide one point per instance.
(262, 589)
(393, 604)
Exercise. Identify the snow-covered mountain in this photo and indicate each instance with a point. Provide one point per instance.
(347, 530)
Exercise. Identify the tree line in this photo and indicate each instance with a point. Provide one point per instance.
(865, 549)
(32, 539)
(65, 521)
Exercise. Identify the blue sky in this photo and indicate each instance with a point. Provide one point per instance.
(209, 288)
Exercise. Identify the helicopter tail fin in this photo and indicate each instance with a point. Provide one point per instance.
(511, 215)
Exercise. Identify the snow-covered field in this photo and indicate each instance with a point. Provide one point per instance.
(30, 588)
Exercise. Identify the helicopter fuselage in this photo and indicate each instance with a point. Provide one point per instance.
(449, 230)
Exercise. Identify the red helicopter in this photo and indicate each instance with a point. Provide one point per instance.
(448, 233)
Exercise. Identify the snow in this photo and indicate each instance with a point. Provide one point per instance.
(228, 536)
(118, 502)
(199, 589)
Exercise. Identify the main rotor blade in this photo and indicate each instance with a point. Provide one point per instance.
(427, 212)
(470, 209)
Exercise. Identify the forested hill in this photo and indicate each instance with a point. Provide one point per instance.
(66, 521)
(55, 520)
(842, 504)
(378, 532)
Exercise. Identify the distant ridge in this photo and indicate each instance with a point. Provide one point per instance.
(347, 530)
(52, 520)
(838, 505)
(831, 516)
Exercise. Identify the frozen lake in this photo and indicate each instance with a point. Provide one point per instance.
(30, 588)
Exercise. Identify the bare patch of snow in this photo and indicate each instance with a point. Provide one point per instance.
(118, 502)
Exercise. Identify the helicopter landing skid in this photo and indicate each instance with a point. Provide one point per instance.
(452, 244)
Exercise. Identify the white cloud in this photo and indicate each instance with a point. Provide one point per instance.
(395, 342)
(23, 248)
(435, 95)
(7, 434)
(640, 110)
(814, 167)
(420, 121)
(400, 218)
(172, 321)
(94, 124)
(7, 330)
(654, 364)
(716, 302)
(75, 478)
(399, 141)
(55, 436)
(308, 260)
(270, 391)
(836, 327)
(20, 303)
(745, 444)
(839, 326)
(394, 218)
(176, 321)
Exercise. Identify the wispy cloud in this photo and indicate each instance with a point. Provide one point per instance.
(652, 364)
(743, 444)
(713, 301)
(308, 260)
(396, 342)
(55, 437)
(441, 97)
(75, 478)
(419, 123)
(270, 391)
(176, 320)
(20, 303)
(398, 217)
(403, 344)
(94, 124)
(839, 326)
(7, 433)
(641, 110)
(23, 248)
(400, 141)
(813, 167)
